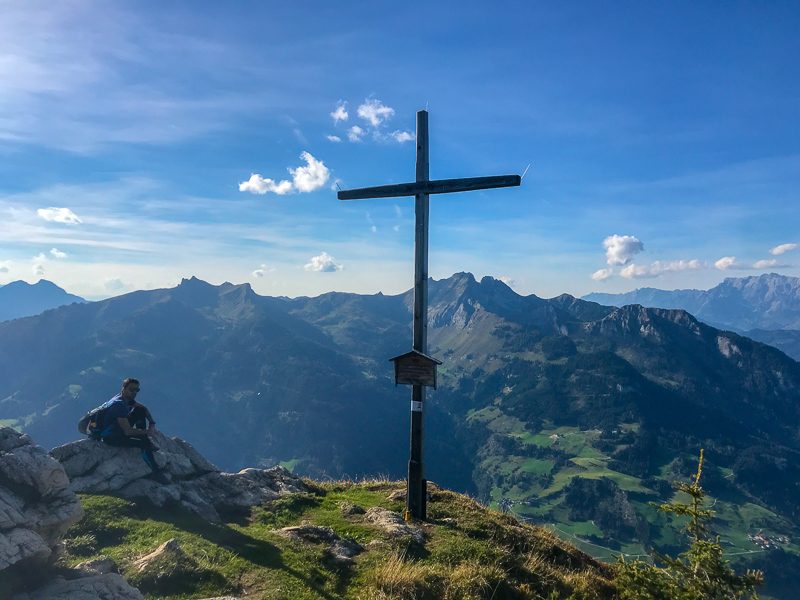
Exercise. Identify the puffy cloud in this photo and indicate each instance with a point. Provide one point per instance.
(728, 262)
(340, 112)
(602, 274)
(402, 136)
(355, 133)
(324, 263)
(657, 268)
(260, 185)
(114, 284)
(262, 270)
(334, 138)
(312, 176)
(58, 215)
(783, 248)
(308, 178)
(769, 263)
(5, 266)
(620, 249)
(374, 111)
(56, 253)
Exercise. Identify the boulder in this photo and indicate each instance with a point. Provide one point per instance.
(340, 550)
(393, 524)
(109, 586)
(36, 504)
(195, 483)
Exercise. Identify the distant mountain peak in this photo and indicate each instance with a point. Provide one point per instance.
(22, 299)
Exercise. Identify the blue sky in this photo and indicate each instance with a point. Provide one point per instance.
(663, 138)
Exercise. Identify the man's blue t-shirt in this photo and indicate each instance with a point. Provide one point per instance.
(115, 408)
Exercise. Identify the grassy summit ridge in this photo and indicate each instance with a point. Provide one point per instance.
(468, 551)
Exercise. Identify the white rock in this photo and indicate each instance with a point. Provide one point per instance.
(108, 586)
(197, 485)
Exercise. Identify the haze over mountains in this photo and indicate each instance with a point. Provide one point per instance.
(763, 307)
(21, 299)
(578, 413)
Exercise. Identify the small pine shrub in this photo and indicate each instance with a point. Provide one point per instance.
(699, 573)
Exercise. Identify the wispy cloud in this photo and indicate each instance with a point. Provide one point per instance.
(323, 263)
(402, 136)
(262, 270)
(783, 249)
(355, 133)
(374, 111)
(602, 274)
(308, 178)
(658, 268)
(114, 284)
(340, 112)
(769, 263)
(59, 215)
(333, 138)
(620, 249)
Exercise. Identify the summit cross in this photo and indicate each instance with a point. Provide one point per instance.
(421, 189)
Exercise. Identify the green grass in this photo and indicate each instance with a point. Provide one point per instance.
(467, 548)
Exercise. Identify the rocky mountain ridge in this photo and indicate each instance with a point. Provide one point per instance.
(20, 299)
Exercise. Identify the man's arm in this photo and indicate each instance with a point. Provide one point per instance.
(128, 430)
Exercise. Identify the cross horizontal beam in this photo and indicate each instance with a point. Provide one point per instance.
(438, 186)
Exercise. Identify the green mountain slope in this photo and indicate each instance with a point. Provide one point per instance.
(543, 403)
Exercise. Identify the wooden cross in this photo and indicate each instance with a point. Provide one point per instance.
(416, 495)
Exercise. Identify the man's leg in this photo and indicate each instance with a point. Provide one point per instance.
(138, 418)
(141, 442)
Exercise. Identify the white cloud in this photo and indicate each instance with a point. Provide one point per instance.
(374, 111)
(58, 215)
(729, 262)
(340, 112)
(56, 253)
(602, 274)
(324, 263)
(114, 284)
(334, 138)
(312, 176)
(308, 178)
(783, 248)
(634, 271)
(510, 282)
(38, 270)
(5, 266)
(260, 185)
(402, 136)
(769, 263)
(355, 133)
(620, 249)
(263, 270)
(40, 258)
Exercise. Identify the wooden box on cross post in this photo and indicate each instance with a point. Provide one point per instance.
(415, 368)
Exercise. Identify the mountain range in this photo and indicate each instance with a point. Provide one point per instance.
(764, 307)
(574, 413)
(20, 299)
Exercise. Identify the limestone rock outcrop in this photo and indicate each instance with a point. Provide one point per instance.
(36, 504)
(108, 586)
(195, 483)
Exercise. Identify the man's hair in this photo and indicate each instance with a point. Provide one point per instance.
(128, 381)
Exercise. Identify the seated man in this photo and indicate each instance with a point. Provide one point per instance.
(125, 423)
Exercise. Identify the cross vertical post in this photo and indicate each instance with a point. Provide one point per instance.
(421, 189)
(416, 492)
